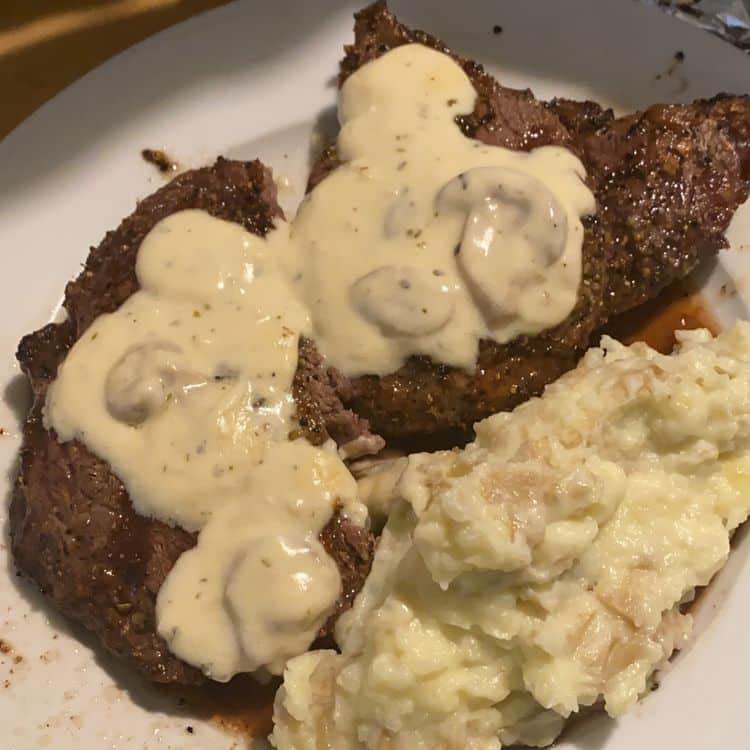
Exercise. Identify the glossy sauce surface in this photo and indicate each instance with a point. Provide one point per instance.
(425, 241)
(186, 392)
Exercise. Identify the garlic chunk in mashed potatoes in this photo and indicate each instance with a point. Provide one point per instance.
(541, 569)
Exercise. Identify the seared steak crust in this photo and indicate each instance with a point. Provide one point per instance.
(667, 182)
(73, 529)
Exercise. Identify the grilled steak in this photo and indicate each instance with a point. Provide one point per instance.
(73, 529)
(667, 182)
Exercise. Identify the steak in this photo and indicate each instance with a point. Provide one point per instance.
(319, 392)
(73, 528)
(667, 182)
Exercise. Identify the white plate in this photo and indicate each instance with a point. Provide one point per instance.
(255, 79)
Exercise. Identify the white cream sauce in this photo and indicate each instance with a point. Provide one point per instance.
(186, 392)
(425, 241)
(259, 585)
(200, 361)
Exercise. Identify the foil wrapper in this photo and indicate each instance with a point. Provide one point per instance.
(728, 19)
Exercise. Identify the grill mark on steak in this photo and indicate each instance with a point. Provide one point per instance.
(667, 182)
(73, 528)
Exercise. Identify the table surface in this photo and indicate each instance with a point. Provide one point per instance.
(47, 44)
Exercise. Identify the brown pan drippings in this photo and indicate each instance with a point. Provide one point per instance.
(241, 706)
(677, 308)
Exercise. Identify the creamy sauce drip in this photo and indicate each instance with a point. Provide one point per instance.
(186, 392)
(259, 585)
(425, 241)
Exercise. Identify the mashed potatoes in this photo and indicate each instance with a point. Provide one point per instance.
(542, 568)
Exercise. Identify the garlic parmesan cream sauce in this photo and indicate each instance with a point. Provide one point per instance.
(423, 241)
(186, 391)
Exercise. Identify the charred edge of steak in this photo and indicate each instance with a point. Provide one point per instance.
(427, 406)
(353, 548)
(580, 118)
(503, 116)
(667, 182)
(325, 164)
(74, 531)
